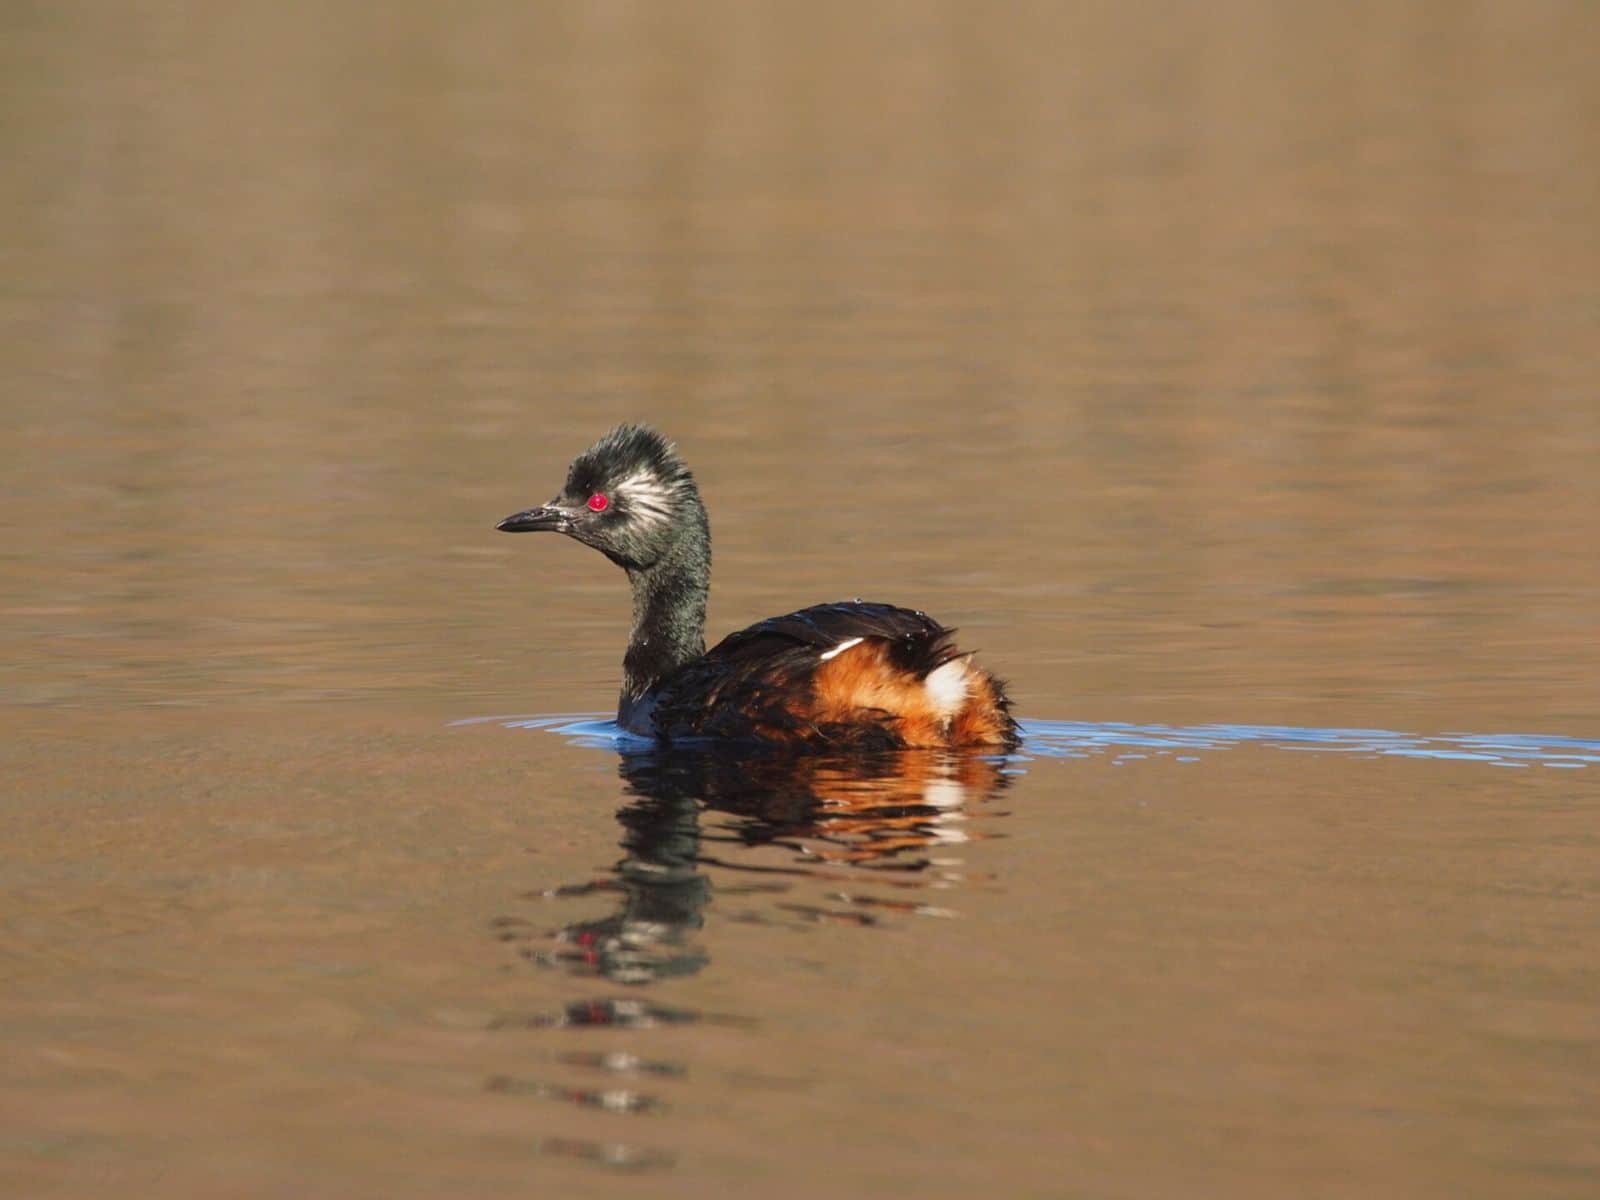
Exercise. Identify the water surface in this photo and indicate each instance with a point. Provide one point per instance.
(1226, 374)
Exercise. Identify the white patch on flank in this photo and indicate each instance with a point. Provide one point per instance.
(841, 648)
(646, 495)
(947, 687)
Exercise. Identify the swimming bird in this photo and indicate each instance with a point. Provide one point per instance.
(843, 675)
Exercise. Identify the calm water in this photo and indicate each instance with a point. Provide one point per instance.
(1227, 373)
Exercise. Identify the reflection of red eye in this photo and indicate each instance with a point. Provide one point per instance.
(598, 503)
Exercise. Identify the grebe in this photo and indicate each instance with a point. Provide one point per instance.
(848, 674)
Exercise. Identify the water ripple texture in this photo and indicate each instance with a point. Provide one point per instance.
(1188, 743)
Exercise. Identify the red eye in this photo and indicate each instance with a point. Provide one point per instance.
(598, 503)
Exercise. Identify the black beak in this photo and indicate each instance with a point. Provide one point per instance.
(534, 520)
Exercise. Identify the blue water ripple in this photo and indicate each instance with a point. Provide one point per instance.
(1059, 739)
(1082, 739)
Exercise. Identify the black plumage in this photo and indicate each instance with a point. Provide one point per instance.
(749, 678)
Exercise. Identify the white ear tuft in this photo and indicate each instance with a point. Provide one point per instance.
(648, 498)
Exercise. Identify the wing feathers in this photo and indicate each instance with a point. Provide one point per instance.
(788, 679)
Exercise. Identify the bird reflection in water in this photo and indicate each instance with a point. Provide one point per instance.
(813, 839)
(886, 820)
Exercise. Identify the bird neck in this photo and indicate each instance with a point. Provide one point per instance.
(669, 614)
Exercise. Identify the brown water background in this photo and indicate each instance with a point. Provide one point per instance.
(1227, 363)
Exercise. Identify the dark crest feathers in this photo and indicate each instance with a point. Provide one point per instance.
(624, 451)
